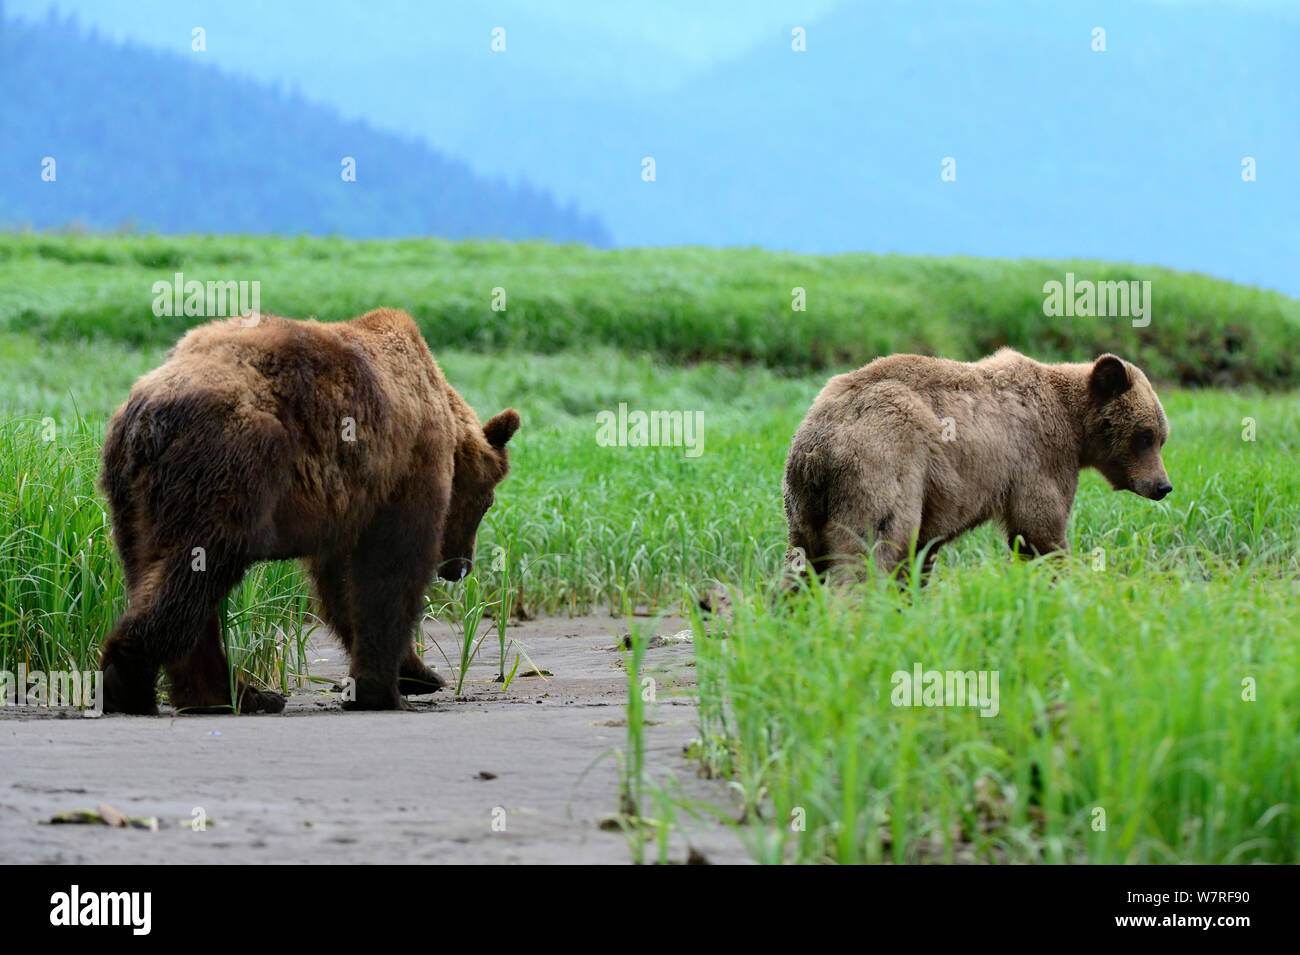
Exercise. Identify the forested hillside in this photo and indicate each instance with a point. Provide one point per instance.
(153, 141)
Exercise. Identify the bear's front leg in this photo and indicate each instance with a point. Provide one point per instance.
(391, 567)
(1036, 521)
(374, 693)
(129, 680)
(200, 683)
(376, 658)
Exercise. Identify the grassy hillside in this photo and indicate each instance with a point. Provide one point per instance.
(681, 304)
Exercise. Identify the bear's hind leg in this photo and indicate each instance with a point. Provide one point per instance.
(842, 560)
(331, 574)
(888, 535)
(130, 670)
(896, 545)
(803, 557)
(201, 683)
(129, 675)
(166, 620)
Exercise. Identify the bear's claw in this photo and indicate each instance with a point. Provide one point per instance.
(250, 701)
(415, 684)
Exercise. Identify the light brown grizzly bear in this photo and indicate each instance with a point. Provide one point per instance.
(266, 439)
(911, 450)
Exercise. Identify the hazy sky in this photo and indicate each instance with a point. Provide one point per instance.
(816, 153)
(402, 65)
(626, 38)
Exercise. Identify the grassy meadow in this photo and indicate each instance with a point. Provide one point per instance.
(682, 304)
(1148, 688)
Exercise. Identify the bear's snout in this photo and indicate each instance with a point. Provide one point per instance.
(456, 569)
(1155, 489)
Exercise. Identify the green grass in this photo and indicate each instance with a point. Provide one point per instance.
(61, 586)
(1119, 690)
(682, 304)
(1120, 677)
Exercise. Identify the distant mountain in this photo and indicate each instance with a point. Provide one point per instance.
(159, 142)
(1134, 153)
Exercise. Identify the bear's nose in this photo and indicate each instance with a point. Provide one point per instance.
(455, 569)
(1163, 488)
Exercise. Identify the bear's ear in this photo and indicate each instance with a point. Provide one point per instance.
(1109, 378)
(502, 428)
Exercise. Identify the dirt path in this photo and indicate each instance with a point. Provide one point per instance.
(317, 785)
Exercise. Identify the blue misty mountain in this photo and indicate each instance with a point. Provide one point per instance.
(1133, 154)
(157, 141)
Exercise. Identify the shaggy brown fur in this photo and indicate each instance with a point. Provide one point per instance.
(341, 443)
(912, 450)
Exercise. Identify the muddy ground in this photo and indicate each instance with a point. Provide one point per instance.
(521, 776)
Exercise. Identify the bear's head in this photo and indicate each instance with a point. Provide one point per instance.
(1124, 429)
(481, 462)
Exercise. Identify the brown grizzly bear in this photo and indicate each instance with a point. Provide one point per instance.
(909, 451)
(266, 439)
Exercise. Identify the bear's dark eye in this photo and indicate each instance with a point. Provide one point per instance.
(1144, 440)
